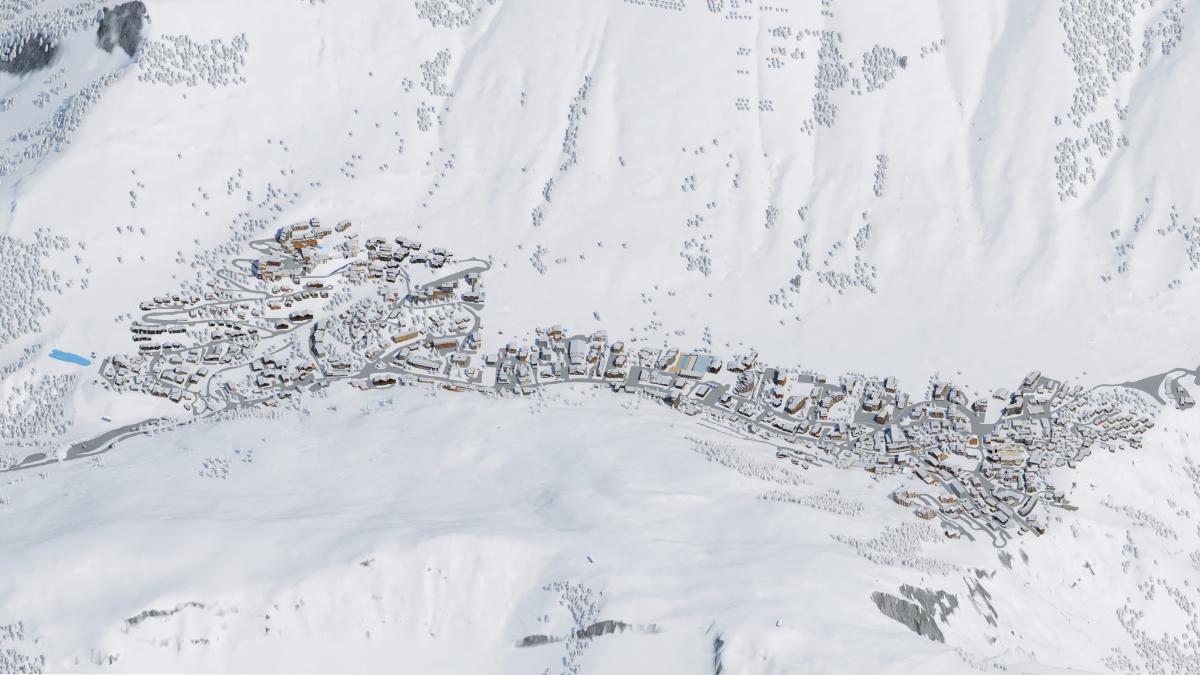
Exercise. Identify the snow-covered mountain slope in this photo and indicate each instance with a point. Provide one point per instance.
(890, 188)
(420, 534)
(622, 126)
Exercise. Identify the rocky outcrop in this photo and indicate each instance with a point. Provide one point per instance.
(981, 599)
(161, 613)
(936, 603)
(595, 630)
(121, 25)
(602, 628)
(718, 647)
(32, 44)
(918, 612)
(535, 640)
(27, 54)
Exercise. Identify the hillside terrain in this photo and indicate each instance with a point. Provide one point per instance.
(599, 336)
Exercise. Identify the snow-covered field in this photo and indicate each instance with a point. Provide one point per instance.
(891, 188)
(418, 533)
(423, 541)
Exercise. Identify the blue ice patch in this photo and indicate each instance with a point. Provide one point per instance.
(69, 357)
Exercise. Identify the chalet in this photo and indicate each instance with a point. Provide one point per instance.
(383, 380)
(745, 384)
(666, 358)
(741, 364)
(1031, 379)
(784, 425)
(894, 435)
(577, 356)
(748, 410)
(405, 336)
(795, 404)
(1014, 407)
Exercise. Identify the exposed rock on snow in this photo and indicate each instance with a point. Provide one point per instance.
(597, 629)
(535, 640)
(908, 613)
(939, 603)
(121, 25)
(27, 55)
(158, 613)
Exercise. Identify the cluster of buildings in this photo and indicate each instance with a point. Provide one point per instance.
(327, 319)
(174, 377)
(398, 314)
(301, 248)
(384, 259)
